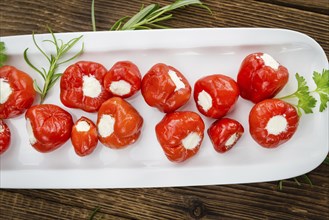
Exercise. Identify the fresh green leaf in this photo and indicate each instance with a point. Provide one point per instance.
(308, 180)
(148, 17)
(137, 18)
(297, 181)
(35, 43)
(93, 214)
(167, 17)
(326, 160)
(306, 101)
(50, 76)
(118, 23)
(36, 87)
(322, 83)
(3, 56)
(54, 79)
(31, 65)
(183, 3)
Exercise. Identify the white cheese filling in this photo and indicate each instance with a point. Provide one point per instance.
(276, 125)
(120, 87)
(191, 140)
(91, 86)
(5, 90)
(204, 100)
(270, 61)
(176, 80)
(29, 129)
(231, 140)
(2, 129)
(106, 125)
(82, 126)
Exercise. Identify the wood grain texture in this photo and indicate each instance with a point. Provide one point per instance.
(245, 201)
(318, 6)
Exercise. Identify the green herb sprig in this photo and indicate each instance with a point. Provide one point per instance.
(51, 76)
(148, 17)
(306, 101)
(93, 214)
(297, 181)
(3, 56)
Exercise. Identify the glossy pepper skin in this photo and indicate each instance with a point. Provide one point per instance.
(260, 115)
(223, 91)
(84, 141)
(126, 127)
(51, 126)
(258, 81)
(225, 133)
(172, 130)
(159, 90)
(72, 94)
(5, 137)
(123, 71)
(23, 93)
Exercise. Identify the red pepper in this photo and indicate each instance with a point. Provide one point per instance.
(161, 91)
(215, 95)
(261, 77)
(272, 122)
(225, 133)
(82, 86)
(119, 124)
(180, 135)
(84, 136)
(123, 79)
(49, 126)
(4, 137)
(22, 93)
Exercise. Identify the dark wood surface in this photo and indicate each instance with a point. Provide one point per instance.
(244, 201)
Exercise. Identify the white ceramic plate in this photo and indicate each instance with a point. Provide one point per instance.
(196, 53)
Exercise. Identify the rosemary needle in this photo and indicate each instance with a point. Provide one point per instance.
(51, 76)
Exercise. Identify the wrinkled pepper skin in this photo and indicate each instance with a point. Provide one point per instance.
(221, 131)
(51, 126)
(260, 115)
(127, 71)
(23, 93)
(257, 81)
(159, 90)
(172, 130)
(5, 137)
(127, 125)
(223, 90)
(71, 85)
(84, 142)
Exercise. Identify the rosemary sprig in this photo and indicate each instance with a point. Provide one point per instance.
(51, 76)
(93, 214)
(148, 17)
(305, 177)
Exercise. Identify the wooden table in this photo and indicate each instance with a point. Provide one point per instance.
(244, 201)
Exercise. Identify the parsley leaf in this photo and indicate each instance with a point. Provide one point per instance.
(322, 83)
(3, 56)
(305, 100)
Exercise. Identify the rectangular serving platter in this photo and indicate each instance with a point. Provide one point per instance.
(196, 53)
